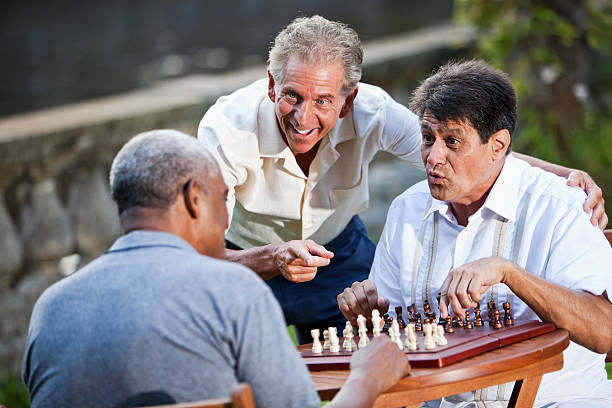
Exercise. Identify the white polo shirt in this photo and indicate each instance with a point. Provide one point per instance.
(530, 217)
(271, 200)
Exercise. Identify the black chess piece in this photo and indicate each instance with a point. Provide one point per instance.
(400, 321)
(491, 308)
(385, 328)
(448, 326)
(498, 324)
(477, 318)
(418, 322)
(508, 319)
(468, 322)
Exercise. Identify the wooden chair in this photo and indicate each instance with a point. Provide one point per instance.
(241, 397)
(608, 234)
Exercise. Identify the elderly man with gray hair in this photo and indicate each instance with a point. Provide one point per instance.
(294, 151)
(161, 318)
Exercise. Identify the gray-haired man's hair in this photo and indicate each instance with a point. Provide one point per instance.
(318, 40)
(152, 168)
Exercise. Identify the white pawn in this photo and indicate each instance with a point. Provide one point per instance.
(350, 343)
(434, 332)
(363, 331)
(326, 338)
(316, 343)
(441, 339)
(345, 334)
(376, 322)
(411, 338)
(429, 343)
(334, 341)
(396, 334)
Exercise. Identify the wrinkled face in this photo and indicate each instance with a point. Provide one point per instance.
(459, 166)
(308, 102)
(214, 220)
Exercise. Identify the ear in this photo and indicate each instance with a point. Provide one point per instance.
(192, 198)
(348, 103)
(271, 92)
(500, 141)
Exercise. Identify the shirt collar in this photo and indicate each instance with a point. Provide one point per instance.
(503, 199)
(147, 238)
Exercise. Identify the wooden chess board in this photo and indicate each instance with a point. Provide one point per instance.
(462, 344)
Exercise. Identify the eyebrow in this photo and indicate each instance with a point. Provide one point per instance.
(455, 130)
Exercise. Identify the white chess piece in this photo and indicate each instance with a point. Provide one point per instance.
(363, 331)
(326, 338)
(376, 322)
(334, 341)
(434, 332)
(316, 343)
(345, 334)
(441, 339)
(429, 344)
(349, 344)
(411, 338)
(396, 334)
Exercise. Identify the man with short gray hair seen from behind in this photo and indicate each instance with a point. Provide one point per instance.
(294, 151)
(162, 318)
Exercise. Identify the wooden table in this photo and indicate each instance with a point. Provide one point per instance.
(524, 362)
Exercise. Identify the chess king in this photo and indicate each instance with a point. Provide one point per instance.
(507, 232)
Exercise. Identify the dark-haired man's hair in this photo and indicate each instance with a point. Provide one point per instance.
(469, 91)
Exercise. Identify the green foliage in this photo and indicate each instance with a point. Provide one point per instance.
(609, 370)
(559, 55)
(13, 392)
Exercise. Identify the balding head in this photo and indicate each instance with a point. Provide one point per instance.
(153, 167)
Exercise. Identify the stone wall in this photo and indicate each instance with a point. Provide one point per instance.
(55, 208)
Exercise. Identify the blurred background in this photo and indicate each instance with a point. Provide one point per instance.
(80, 78)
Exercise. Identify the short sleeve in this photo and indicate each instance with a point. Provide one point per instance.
(579, 256)
(402, 134)
(268, 360)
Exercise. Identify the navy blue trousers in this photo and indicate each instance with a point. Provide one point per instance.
(313, 304)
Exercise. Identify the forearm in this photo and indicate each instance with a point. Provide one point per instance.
(544, 165)
(356, 393)
(587, 317)
(259, 259)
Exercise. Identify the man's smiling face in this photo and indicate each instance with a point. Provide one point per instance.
(308, 102)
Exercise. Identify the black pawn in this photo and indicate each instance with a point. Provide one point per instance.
(418, 322)
(508, 319)
(387, 325)
(498, 324)
(468, 322)
(448, 326)
(400, 321)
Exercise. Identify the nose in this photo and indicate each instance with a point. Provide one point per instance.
(437, 153)
(302, 113)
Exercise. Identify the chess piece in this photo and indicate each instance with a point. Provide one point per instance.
(457, 322)
(497, 320)
(386, 326)
(468, 322)
(334, 341)
(508, 319)
(448, 327)
(411, 338)
(491, 308)
(326, 338)
(316, 342)
(350, 343)
(418, 322)
(400, 321)
(477, 318)
(429, 344)
(376, 322)
(395, 334)
(434, 331)
(363, 331)
(442, 341)
(427, 311)
(348, 331)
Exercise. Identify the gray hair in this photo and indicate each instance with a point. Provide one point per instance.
(318, 40)
(152, 168)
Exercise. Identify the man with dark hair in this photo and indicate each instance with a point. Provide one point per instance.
(294, 150)
(162, 318)
(507, 232)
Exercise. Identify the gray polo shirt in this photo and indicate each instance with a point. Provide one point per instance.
(152, 321)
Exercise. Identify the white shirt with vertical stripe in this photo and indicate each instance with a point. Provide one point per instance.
(531, 217)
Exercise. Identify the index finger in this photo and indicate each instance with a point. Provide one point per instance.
(319, 250)
(444, 301)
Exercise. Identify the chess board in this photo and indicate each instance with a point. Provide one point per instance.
(462, 344)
